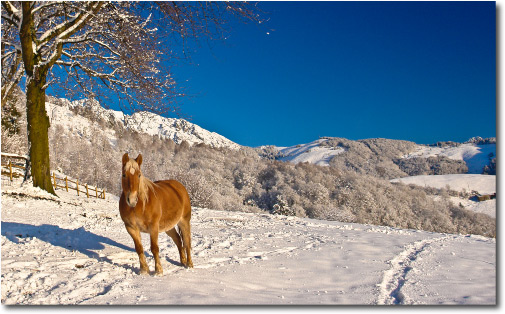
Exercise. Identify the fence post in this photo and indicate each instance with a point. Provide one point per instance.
(55, 184)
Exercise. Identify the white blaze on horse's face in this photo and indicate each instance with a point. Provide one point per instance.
(131, 181)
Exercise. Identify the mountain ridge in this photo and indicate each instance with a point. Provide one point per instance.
(175, 129)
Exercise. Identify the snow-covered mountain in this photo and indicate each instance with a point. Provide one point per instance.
(178, 130)
(476, 152)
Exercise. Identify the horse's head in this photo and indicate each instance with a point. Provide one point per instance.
(131, 179)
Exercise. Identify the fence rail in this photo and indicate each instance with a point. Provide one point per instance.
(7, 170)
(77, 187)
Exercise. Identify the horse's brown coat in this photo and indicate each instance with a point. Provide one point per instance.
(153, 207)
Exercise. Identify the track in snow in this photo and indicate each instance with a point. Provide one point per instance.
(394, 277)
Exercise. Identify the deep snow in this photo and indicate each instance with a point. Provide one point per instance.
(74, 250)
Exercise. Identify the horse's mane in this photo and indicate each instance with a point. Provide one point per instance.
(144, 186)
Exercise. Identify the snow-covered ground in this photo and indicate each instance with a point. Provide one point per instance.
(74, 250)
(483, 184)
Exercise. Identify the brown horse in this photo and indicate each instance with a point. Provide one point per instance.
(154, 207)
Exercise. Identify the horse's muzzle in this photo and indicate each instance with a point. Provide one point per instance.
(132, 199)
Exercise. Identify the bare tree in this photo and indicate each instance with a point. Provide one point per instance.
(87, 45)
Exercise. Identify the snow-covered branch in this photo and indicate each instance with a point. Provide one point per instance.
(45, 5)
(67, 28)
(12, 13)
(122, 45)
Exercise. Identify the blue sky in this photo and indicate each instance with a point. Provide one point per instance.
(418, 71)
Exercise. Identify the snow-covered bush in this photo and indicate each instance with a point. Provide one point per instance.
(199, 190)
(431, 166)
(373, 157)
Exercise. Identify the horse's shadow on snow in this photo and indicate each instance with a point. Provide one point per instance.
(71, 239)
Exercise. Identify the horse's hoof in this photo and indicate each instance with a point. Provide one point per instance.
(144, 272)
(159, 273)
(189, 265)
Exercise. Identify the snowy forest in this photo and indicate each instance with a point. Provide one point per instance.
(354, 187)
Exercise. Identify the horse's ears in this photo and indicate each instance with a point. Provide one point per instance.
(125, 158)
(139, 159)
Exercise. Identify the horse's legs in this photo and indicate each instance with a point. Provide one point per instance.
(156, 251)
(186, 240)
(177, 239)
(135, 234)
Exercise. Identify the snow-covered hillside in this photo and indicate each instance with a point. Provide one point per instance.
(311, 152)
(484, 184)
(480, 183)
(475, 156)
(74, 250)
(177, 130)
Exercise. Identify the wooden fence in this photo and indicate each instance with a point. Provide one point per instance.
(14, 162)
(11, 173)
(88, 190)
(66, 183)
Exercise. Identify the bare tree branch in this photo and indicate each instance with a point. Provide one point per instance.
(123, 46)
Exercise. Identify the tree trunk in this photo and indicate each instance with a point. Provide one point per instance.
(38, 138)
(36, 116)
